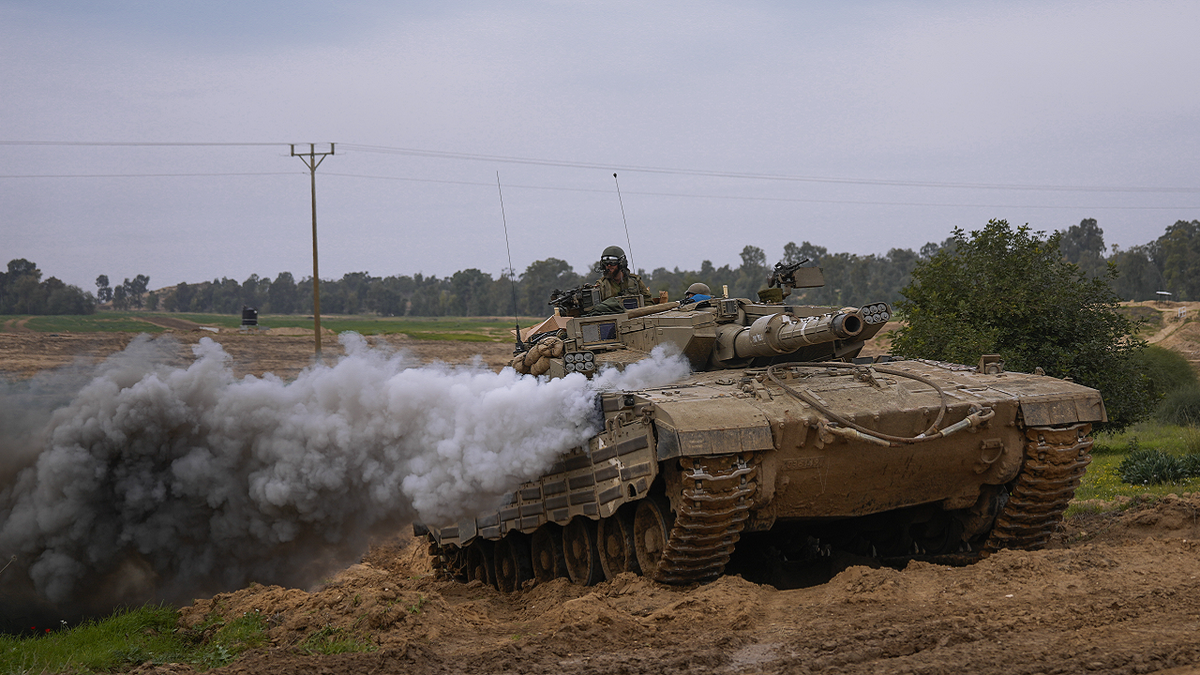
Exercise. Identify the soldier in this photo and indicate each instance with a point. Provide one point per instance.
(697, 292)
(617, 281)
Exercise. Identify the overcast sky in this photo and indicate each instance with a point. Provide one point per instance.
(857, 126)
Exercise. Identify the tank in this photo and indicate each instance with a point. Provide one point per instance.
(782, 434)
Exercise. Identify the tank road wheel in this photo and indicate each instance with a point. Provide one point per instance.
(480, 563)
(615, 537)
(513, 565)
(581, 552)
(548, 559)
(651, 526)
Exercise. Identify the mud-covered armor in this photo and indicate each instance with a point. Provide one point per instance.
(781, 431)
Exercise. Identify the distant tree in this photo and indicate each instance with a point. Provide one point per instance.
(135, 290)
(1177, 255)
(1008, 291)
(120, 299)
(429, 297)
(21, 267)
(751, 274)
(283, 296)
(64, 299)
(103, 291)
(223, 296)
(1138, 278)
(470, 293)
(931, 248)
(1083, 245)
(181, 299)
(387, 297)
(793, 254)
(254, 291)
(540, 279)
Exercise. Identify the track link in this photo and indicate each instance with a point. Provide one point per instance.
(713, 509)
(1055, 461)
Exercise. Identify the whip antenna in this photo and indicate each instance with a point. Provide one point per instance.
(628, 243)
(519, 346)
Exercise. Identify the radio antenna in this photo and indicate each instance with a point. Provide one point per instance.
(628, 243)
(519, 346)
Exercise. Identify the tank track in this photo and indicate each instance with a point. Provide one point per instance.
(712, 511)
(1055, 461)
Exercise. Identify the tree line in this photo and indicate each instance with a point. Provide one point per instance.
(22, 291)
(849, 279)
(1169, 263)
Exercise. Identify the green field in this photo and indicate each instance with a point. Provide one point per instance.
(477, 329)
(108, 322)
(1102, 481)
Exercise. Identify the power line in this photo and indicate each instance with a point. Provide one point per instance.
(761, 199)
(148, 175)
(758, 176)
(438, 154)
(138, 144)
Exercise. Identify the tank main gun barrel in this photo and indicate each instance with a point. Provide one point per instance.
(782, 333)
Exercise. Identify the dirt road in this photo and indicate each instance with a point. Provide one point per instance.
(1117, 593)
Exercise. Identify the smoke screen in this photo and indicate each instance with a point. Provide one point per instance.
(136, 480)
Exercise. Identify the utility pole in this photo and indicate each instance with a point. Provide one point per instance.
(312, 159)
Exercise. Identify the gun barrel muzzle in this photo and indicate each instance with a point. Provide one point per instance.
(783, 333)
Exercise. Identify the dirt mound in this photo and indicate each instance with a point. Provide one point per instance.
(1183, 338)
(1120, 594)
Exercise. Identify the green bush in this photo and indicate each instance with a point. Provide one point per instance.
(1007, 291)
(1181, 406)
(1155, 467)
(1167, 370)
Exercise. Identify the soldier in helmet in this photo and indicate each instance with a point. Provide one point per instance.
(617, 281)
(697, 292)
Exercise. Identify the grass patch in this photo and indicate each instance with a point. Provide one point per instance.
(127, 638)
(1103, 478)
(107, 322)
(417, 328)
(221, 646)
(1180, 407)
(131, 637)
(330, 640)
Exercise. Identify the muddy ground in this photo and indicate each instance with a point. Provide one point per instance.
(1114, 593)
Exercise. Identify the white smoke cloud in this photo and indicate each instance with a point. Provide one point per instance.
(664, 366)
(201, 481)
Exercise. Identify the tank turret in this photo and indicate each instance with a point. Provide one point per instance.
(713, 334)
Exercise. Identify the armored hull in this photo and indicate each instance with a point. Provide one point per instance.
(781, 430)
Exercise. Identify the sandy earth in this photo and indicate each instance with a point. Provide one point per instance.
(1177, 333)
(1120, 594)
(1115, 593)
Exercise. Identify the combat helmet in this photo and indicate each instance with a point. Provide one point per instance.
(614, 254)
(698, 288)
